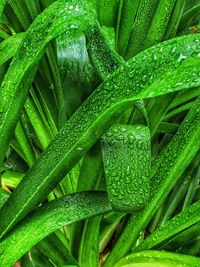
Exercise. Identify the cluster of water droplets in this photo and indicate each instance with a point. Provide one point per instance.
(126, 156)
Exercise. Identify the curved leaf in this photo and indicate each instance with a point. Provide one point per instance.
(127, 156)
(187, 218)
(57, 18)
(158, 259)
(166, 170)
(49, 218)
(168, 72)
(9, 47)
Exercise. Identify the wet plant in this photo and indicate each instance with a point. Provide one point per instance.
(99, 133)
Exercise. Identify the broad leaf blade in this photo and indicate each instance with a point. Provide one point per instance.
(94, 117)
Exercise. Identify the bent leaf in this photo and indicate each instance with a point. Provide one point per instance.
(168, 73)
(126, 156)
(166, 170)
(158, 259)
(57, 18)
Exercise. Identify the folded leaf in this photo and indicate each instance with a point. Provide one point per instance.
(57, 18)
(166, 170)
(126, 155)
(165, 70)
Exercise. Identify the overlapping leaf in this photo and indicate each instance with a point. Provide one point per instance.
(166, 170)
(168, 71)
(49, 218)
(173, 227)
(59, 17)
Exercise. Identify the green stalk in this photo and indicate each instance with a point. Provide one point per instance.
(169, 128)
(89, 243)
(4, 34)
(20, 10)
(13, 19)
(57, 85)
(106, 235)
(11, 179)
(193, 248)
(53, 248)
(192, 189)
(158, 111)
(33, 8)
(89, 177)
(107, 12)
(175, 198)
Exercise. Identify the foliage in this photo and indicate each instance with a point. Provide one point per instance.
(99, 133)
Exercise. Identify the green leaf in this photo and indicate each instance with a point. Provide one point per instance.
(77, 74)
(49, 218)
(3, 196)
(53, 248)
(107, 12)
(141, 25)
(175, 19)
(158, 259)
(126, 16)
(89, 243)
(166, 170)
(127, 156)
(185, 219)
(168, 73)
(20, 75)
(160, 21)
(34, 258)
(11, 179)
(195, 10)
(2, 5)
(9, 47)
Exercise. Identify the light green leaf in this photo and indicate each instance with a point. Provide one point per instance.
(158, 259)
